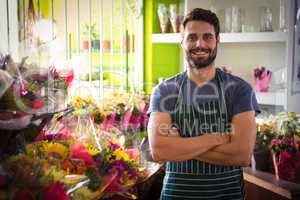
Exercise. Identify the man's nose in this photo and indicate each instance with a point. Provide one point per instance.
(199, 42)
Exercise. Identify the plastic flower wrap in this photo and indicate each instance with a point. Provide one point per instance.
(30, 96)
(163, 16)
(175, 18)
(29, 90)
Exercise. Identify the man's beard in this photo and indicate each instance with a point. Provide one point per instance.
(199, 63)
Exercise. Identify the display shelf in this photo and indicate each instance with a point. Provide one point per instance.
(270, 182)
(271, 98)
(227, 37)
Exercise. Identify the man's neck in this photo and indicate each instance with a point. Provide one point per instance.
(201, 76)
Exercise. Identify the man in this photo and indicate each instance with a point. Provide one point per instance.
(202, 121)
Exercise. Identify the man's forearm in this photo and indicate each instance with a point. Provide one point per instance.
(179, 149)
(218, 158)
(227, 154)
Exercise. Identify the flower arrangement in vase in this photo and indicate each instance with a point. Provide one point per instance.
(262, 79)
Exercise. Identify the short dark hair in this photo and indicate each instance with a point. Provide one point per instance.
(200, 14)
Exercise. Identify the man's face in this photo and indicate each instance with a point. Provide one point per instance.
(199, 44)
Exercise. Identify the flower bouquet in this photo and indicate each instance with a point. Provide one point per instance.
(262, 78)
(86, 129)
(69, 169)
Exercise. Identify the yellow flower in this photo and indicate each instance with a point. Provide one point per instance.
(121, 155)
(91, 149)
(56, 148)
(129, 182)
(79, 102)
(31, 149)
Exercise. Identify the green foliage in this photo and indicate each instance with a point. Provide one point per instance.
(95, 180)
(263, 140)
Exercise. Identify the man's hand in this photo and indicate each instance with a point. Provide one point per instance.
(239, 151)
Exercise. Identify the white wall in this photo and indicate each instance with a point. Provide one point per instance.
(3, 27)
(9, 41)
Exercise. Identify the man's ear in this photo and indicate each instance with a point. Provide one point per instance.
(218, 39)
(181, 41)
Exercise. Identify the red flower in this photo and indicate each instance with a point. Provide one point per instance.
(54, 191)
(80, 152)
(37, 104)
(69, 77)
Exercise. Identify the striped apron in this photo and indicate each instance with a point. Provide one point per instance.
(193, 179)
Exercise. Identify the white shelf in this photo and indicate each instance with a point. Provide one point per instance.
(227, 37)
(271, 98)
(166, 38)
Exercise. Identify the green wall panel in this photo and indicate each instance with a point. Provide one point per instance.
(165, 61)
(161, 60)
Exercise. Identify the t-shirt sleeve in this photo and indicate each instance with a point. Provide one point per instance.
(162, 99)
(244, 99)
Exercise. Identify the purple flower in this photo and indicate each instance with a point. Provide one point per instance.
(113, 146)
(132, 174)
(119, 167)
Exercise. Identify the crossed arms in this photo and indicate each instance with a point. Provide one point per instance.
(217, 148)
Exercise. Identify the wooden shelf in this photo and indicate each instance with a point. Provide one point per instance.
(270, 182)
(227, 37)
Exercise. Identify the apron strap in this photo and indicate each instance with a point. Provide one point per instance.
(180, 83)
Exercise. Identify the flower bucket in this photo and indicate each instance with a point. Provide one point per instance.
(262, 160)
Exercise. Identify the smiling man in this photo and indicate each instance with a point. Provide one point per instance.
(202, 121)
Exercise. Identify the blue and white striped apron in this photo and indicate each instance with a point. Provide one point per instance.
(193, 179)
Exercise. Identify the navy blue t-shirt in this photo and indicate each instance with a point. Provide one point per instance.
(239, 94)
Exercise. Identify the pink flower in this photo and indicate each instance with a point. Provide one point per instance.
(286, 166)
(55, 191)
(144, 119)
(64, 134)
(135, 122)
(125, 120)
(80, 152)
(133, 154)
(110, 121)
(53, 71)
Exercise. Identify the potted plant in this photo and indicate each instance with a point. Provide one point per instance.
(87, 30)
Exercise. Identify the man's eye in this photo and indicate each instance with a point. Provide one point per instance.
(192, 37)
(208, 37)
